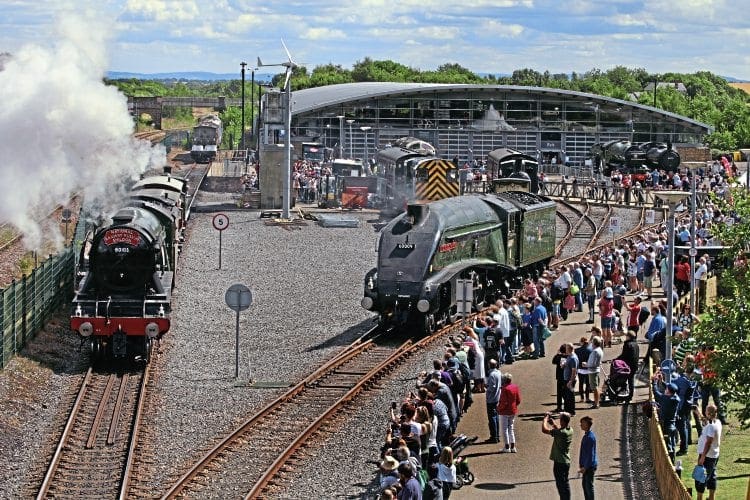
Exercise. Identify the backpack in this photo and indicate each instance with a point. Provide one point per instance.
(465, 372)
(490, 339)
(471, 358)
(514, 321)
(643, 316)
(648, 268)
(617, 300)
(459, 384)
(423, 479)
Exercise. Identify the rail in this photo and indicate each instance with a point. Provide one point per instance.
(332, 386)
(90, 455)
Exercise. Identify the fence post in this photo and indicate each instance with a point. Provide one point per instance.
(24, 311)
(2, 329)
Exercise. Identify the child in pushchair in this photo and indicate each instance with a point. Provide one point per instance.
(463, 474)
(616, 384)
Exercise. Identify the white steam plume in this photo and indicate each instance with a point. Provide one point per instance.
(62, 130)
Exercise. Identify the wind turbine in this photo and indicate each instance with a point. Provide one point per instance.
(289, 64)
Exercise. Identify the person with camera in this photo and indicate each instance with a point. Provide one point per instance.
(562, 437)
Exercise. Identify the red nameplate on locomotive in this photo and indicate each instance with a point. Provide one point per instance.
(121, 235)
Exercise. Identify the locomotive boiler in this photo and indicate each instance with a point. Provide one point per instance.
(494, 240)
(125, 273)
(631, 158)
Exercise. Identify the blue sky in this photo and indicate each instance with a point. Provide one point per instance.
(486, 36)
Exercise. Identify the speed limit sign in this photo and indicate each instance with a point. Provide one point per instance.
(220, 222)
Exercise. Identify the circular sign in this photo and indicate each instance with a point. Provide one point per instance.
(238, 297)
(668, 365)
(66, 213)
(220, 222)
(693, 252)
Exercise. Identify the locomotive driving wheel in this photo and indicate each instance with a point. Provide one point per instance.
(147, 348)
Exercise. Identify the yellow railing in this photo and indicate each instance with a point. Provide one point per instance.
(670, 484)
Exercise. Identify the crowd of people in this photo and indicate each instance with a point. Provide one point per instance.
(615, 287)
(625, 187)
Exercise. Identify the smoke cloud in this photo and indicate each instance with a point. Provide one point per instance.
(62, 131)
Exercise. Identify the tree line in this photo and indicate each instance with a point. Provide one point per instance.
(708, 98)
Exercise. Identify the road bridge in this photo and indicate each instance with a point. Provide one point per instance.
(155, 105)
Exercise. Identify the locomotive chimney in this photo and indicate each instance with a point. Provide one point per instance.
(417, 212)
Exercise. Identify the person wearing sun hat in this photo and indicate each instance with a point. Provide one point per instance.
(388, 472)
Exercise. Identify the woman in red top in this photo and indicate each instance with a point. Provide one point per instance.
(607, 313)
(682, 276)
(507, 408)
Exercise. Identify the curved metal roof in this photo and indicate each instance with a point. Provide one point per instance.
(311, 99)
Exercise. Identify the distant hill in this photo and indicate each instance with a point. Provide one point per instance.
(188, 75)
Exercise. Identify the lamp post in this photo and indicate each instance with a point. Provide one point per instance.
(242, 132)
(252, 102)
(365, 130)
(351, 153)
(693, 168)
(672, 199)
(325, 135)
(341, 135)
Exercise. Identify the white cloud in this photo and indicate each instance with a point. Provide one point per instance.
(322, 34)
(165, 10)
(493, 28)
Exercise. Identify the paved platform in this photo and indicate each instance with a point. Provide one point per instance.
(528, 474)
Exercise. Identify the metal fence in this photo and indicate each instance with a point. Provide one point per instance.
(27, 304)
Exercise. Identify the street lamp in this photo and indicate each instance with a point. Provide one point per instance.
(365, 130)
(672, 199)
(242, 132)
(341, 135)
(325, 135)
(252, 104)
(693, 168)
(351, 154)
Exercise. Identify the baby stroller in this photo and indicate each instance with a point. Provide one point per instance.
(463, 474)
(616, 384)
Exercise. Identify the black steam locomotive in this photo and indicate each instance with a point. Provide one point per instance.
(125, 273)
(627, 157)
(493, 240)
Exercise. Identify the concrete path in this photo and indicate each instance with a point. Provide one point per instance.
(528, 474)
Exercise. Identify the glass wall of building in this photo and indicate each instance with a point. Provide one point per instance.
(471, 122)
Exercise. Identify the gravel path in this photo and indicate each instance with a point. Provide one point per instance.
(307, 284)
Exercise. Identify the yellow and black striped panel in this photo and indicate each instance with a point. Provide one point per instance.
(440, 182)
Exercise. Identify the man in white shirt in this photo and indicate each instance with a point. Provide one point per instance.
(700, 273)
(503, 327)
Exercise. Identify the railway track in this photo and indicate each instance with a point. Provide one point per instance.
(154, 136)
(94, 455)
(574, 218)
(255, 456)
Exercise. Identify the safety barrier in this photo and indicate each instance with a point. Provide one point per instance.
(27, 304)
(602, 192)
(669, 483)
